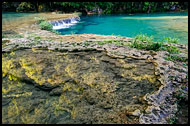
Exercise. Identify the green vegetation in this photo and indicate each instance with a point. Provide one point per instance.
(39, 19)
(116, 42)
(17, 36)
(5, 41)
(176, 58)
(172, 120)
(171, 40)
(33, 36)
(24, 6)
(12, 36)
(144, 37)
(143, 41)
(171, 49)
(86, 43)
(54, 31)
(44, 25)
(101, 43)
(150, 45)
(3, 35)
(37, 38)
(95, 7)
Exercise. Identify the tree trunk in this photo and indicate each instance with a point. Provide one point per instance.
(149, 8)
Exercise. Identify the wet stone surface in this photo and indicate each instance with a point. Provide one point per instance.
(41, 86)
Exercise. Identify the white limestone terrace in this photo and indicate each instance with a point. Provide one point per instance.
(64, 23)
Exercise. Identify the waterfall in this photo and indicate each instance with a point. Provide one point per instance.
(65, 23)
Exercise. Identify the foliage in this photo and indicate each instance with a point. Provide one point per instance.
(171, 40)
(24, 7)
(12, 36)
(143, 41)
(3, 35)
(116, 42)
(150, 45)
(171, 49)
(39, 19)
(176, 58)
(146, 5)
(144, 37)
(17, 36)
(86, 44)
(101, 43)
(106, 7)
(172, 120)
(56, 32)
(45, 25)
(36, 37)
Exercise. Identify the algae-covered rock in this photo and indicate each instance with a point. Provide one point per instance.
(76, 87)
(68, 83)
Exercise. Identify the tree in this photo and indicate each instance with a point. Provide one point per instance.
(107, 7)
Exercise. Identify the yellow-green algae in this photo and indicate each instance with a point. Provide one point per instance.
(91, 90)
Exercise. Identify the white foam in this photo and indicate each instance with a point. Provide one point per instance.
(62, 24)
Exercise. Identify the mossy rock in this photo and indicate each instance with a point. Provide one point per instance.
(73, 87)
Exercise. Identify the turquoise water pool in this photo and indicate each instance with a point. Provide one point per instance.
(159, 25)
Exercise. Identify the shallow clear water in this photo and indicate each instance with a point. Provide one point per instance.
(159, 25)
(10, 16)
(11, 20)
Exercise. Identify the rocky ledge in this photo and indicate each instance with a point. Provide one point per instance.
(89, 82)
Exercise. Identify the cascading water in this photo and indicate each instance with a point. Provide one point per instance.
(65, 23)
